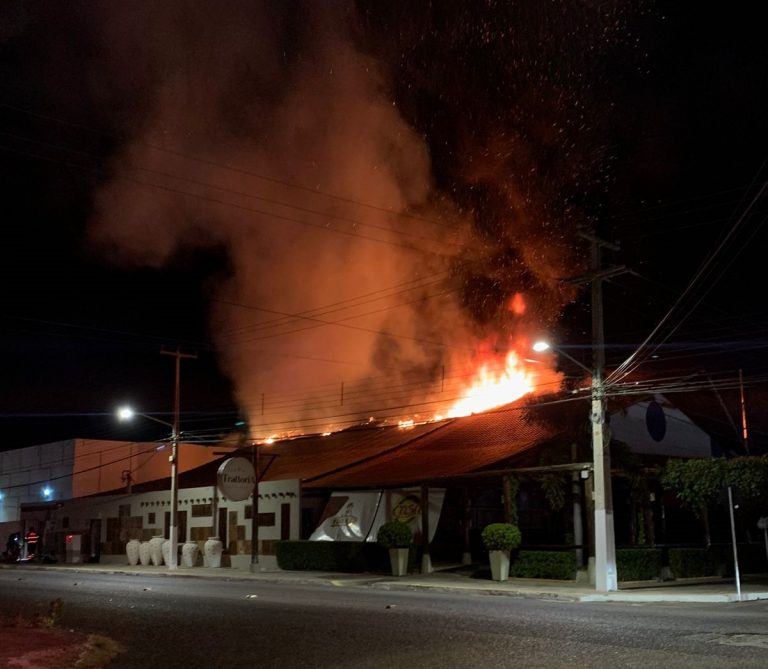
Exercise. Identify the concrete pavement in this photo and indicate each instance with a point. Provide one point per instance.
(455, 580)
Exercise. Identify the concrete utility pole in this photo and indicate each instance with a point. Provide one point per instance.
(173, 532)
(605, 541)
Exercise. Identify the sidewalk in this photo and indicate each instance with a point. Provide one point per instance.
(687, 590)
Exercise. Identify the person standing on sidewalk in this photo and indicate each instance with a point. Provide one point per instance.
(31, 538)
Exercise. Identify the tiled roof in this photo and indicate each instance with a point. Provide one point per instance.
(393, 456)
(388, 456)
(313, 456)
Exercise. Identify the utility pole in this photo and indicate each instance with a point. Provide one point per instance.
(174, 527)
(605, 542)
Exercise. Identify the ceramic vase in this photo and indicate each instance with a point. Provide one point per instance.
(212, 552)
(156, 550)
(132, 551)
(189, 553)
(166, 548)
(144, 557)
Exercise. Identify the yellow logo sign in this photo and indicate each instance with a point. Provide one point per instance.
(407, 509)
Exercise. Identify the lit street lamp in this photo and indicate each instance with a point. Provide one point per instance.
(126, 413)
(605, 542)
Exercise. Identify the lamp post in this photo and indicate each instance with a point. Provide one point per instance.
(126, 413)
(605, 541)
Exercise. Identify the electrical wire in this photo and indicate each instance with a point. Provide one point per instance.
(626, 367)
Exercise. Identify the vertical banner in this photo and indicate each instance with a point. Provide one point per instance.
(357, 516)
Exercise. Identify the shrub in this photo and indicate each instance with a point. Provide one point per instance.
(344, 556)
(544, 564)
(501, 537)
(349, 556)
(395, 534)
(638, 564)
(692, 562)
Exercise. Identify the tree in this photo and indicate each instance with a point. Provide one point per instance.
(699, 483)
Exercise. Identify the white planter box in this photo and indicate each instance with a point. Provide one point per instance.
(398, 558)
(499, 565)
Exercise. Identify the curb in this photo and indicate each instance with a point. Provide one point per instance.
(669, 593)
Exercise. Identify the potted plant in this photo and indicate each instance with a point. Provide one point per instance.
(500, 539)
(396, 536)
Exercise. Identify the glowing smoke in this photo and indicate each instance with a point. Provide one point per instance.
(243, 103)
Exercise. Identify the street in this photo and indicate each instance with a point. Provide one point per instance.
(198, 622)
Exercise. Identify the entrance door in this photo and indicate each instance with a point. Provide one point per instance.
(181, 526)
(95, 540)
(223, 522)
(181, 518)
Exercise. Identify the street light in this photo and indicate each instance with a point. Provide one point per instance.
(605, 541)
(126, 413)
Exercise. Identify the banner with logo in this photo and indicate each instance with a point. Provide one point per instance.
(357, 516)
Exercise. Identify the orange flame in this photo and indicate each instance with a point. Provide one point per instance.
(517, 304)
(493, 388)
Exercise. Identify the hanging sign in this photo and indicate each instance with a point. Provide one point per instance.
(236, 479)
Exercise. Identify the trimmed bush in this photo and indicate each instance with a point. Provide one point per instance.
(544, 564)
(344, 556)
(395, 534)
(638, 564)
(501, 537)
(693, 562)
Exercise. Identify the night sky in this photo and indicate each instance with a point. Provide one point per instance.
(334, 204)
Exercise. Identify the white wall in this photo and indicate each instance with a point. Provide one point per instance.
(272, 495)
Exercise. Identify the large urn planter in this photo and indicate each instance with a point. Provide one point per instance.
(212, 552)
(156, 550)
(500, 539)
(144, 558)
(166, 548)
(132, 552)
(189, 553)
(499, 565)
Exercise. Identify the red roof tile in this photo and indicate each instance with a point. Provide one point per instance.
(392, 456)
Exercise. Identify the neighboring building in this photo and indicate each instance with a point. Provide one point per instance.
(35, 475)
(657, 427)
(35, 480)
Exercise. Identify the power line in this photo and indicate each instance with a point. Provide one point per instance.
(624, 368)
(269, 216)
(230, 168)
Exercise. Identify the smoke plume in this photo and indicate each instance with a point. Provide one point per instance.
(381, 216)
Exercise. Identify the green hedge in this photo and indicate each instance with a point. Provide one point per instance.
(544, 564)
(692, 562)
(638, 564)
(344, 556)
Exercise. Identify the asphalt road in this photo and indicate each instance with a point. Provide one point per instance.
(210, 623)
